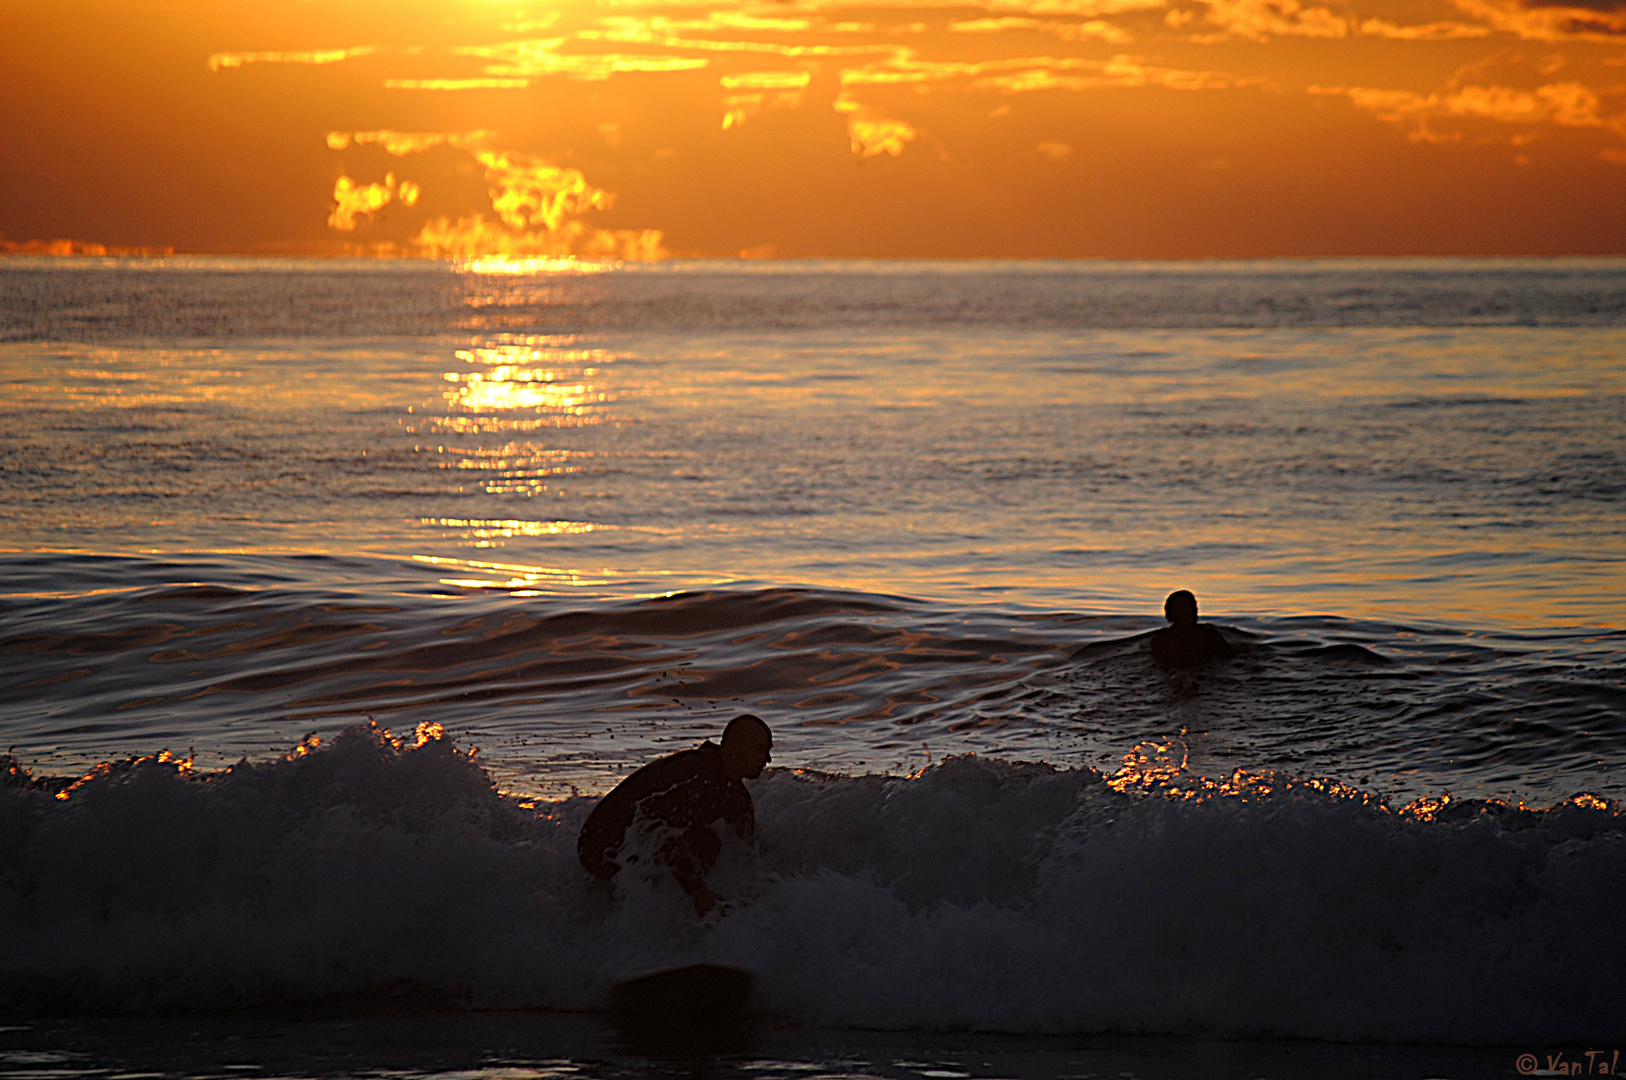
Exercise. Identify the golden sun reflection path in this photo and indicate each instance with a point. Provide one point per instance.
(786, 460)
(1459, 472)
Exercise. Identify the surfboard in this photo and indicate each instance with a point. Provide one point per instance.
(698, 991)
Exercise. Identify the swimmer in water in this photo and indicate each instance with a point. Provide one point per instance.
(1185, 642)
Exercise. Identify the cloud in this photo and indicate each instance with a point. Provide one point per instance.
(402, 143)
(1084, 8)
(1565, 104)
(761, 89)
(541, 56)
(1132, 71)
(1095, 28)
(738, 108)
(474, 236)
(1029, 73)
(1437, 31)
(734, 20)
(64, 246)
(537, 204)
(766, 80)
(655, 30)
(351, 199)
(456, 84)
(873, 134)
(1260, 20)
(662, 29)
(537, 207)
(1552, 22)
(540, 204)
(1604, 6)
(529, 191)
(994, 26)
(316, 56)
(1394, 106)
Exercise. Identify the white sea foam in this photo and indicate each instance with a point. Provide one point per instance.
(979, 894)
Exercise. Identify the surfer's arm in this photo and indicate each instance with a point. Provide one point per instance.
(605, 830)
(736, 810)
(745, 823)
(690, 856)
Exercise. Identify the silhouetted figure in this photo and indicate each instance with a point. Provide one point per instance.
(678, 799)
(1185, 642)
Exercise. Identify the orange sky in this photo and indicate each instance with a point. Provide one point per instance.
(1159, 128)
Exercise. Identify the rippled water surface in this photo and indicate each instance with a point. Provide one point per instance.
(348, 521)
(118, 656)
(1436, 441)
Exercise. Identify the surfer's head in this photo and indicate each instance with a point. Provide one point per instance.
(1181, 608)
(747, 747)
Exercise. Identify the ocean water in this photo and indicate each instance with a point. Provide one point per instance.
(332, 594)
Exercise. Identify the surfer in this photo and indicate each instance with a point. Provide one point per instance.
(1185, 642)
(677, 800)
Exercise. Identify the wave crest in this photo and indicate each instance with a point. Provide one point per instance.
(978, 893)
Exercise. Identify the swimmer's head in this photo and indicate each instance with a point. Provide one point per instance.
(747, 747)
(1181, 608)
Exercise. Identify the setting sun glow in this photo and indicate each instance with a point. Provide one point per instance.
(602, 130)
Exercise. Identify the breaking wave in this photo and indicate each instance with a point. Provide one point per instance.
(977, 894)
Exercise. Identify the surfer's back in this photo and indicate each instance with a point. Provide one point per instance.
(680, 790)
(1185, 642)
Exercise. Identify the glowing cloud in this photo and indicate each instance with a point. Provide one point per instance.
(871, 133)
(1566, 104)
(994, 26)
(537, 204)
(317, 56)
(654, 31)
(512, 121)
(351, 199)
(1132, 71)
(1438, 31)
(402, 143)
(475, 237)
(529, 191)
(1260, 20)
(1081, 8)
(1029, 73)
(723, 20)
(1024, 82)
(766, 80)
(763, 89)
(541, 56)
(1605, 22)
(1067, 31)
(456, 84)
(63, 246)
